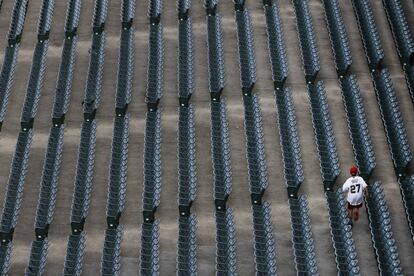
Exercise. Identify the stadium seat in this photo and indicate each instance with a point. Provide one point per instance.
(370, 36)
(392, 120)
(289, 138)
(155, 10)
(358, 126)
(187, 246)
(185, 59)
(111, 256)
(99, 16)
(305, 259)
(45, 20)
(72, 17)
(264, 244)
(277, 47)
(246, 51)
(125, 70)
(324, 135)
(7, 77)
(17, 22)
(127, 13)
(225, 243)
(307, 40)
(407, 191)
(382, 237)
(338, 37)
(5, 257)
(343, 243)
(150, 238)
(74, 255)
(155, 64)
(37, 261)
(215, 54)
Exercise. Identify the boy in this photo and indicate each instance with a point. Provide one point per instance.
(355, 187)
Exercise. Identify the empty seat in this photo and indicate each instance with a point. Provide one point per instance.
(369, 34)
(155, 72)
(64, 84)
(277, 47)
(246, 50)
(358, 126)
(220, 150)
(307, 40)
(37, 261)
(384, 244)
(225, 243)
(49, 181)
(183, 6)
(187, 171)
(17, 22)
(45, 19)
(215, 54)
(305, 260)
(74, 255)
(118, 168)
(7, 77)
(185, 59)
(155, 9)
(35, 83)
(95, 74)
(341, 233)
(152, 162)
(409, 79)
(72, 15)
(338, 36)
(392, 120)
(324, 135)
(264, 244)
(111, 255)
(125, 68)
(128, 10)
(84, 173)
(407, 192)
(289, 138)
(150, 255)
(400, 30)
(14, 194)
(100, 13)
(5, 257)
(187, 246)
(255, 149)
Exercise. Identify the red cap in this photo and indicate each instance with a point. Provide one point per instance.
(353, 170)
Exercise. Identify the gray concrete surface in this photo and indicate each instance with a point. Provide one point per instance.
(203, 206)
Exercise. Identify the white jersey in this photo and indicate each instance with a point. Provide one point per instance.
(355, 186)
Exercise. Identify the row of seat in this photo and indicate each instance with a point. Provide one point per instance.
(118, 169)
(17, 22)
(86, 152)
(305, 258)
(381, 232)
(45, 20)
(369, 33)
(51, 166)
(111, 257)
(185, 59)
(289, 140)
(246, 50)
(10, 55)
(307, 40)
(392, 119)
(264, 243)
(72, 17)
(407, 191)
(225, 242)
(187, 245)
(400, 30)
(276, 46)
(155, 64)
(341, 233)
(34, 85)
(38, 257)
(187, 173)
(324, 135)
(358, 127)
(215, 55)
(183, 7)
(338, 37)
(150, 245)
(74, 255)
(149, 263)
(220, 142)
